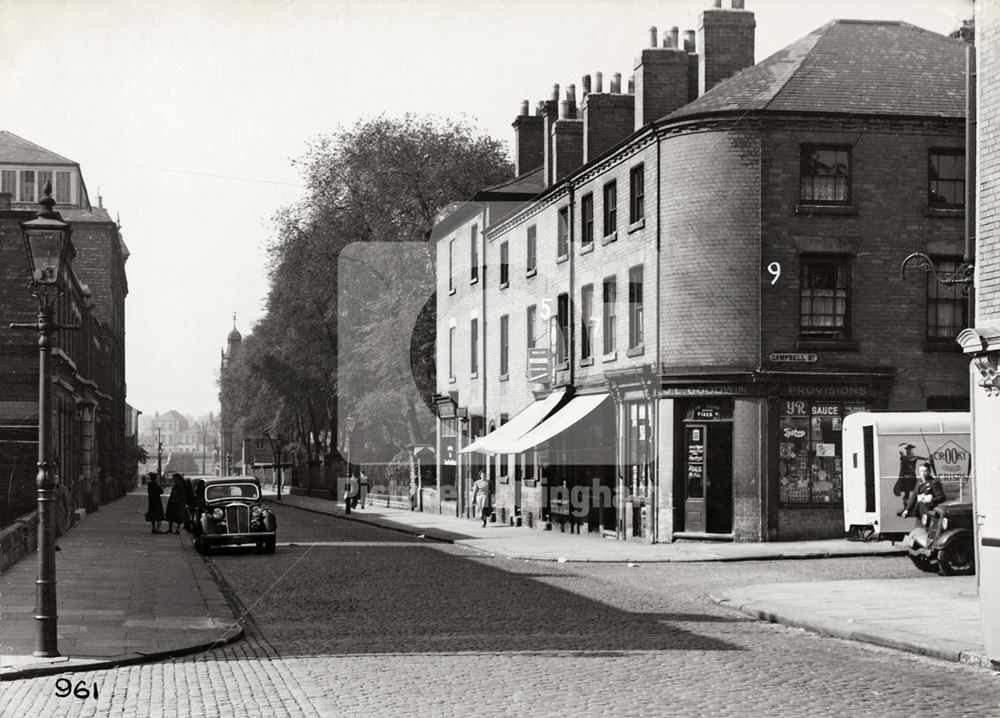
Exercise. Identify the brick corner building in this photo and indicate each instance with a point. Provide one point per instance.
(664, 341)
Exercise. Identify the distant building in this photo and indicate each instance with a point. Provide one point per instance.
(90, 423)
(663, 343)
(188, 447)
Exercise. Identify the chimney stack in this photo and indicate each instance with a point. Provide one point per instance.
(529, 141)
(548, 110)
(660, 81)
(607, 120)
(567, 143)
(725, 44)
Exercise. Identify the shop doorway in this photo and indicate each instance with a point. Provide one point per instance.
(708, 470)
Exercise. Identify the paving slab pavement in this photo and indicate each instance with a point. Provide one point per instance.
(123, 596)
(933, 616)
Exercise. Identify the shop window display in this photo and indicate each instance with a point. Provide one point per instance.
(810, 456)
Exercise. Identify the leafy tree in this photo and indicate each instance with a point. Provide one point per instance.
(350, 327)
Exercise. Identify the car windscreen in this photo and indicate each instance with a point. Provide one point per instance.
(231, 491)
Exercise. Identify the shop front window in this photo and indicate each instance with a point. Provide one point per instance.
(638, 448)
(810, 455)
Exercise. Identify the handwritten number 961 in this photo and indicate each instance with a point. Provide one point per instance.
(774, 269)
(65, 689)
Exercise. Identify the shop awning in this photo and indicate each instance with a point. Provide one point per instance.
(523, 422)
(572, 412)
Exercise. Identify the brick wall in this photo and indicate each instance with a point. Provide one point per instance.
(888, 219)
(711, 244)
(988, 118)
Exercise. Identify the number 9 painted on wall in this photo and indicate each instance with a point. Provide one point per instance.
(774, 269)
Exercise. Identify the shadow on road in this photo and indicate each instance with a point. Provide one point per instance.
(380, 598)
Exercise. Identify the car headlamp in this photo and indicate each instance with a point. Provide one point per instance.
(256, 511)
(923, 519)
(944, 524)
(217, 514)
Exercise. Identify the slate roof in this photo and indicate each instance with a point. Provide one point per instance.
(529, 183)
(850, 66)
(17, 150)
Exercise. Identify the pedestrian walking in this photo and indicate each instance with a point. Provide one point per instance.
(481, 497)
(176, 505)
(350, 493)
(154, 509)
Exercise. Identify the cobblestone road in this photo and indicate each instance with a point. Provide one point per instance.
(354, 620)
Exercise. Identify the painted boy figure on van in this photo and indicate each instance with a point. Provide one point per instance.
(907, 480)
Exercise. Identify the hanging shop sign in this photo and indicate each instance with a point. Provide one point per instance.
(539, 366)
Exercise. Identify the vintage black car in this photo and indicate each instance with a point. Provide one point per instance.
(227, 511)
(944, 540)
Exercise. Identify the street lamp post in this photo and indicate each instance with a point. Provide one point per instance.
(349, 423)
(47, 242)
(159, 453)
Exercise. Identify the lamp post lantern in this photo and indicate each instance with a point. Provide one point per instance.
(47, 243)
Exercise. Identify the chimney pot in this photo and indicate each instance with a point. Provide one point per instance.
(564, 110)
(718, 3)
(689, 41)
(631, 84)
(585, 85)
(555, 93)
(652, 36)
(571, 94)
(524, 108)
(616, 83)
(675, 36)
(737, 4)
(666, 39)
(598, 82)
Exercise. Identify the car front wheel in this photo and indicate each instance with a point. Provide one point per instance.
(958, 558)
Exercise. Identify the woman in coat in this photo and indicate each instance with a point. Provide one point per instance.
(154, 512)
(176, 505)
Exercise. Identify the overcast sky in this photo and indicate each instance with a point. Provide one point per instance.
(185, 117)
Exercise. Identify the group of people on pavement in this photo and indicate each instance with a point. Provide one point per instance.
(177, 503)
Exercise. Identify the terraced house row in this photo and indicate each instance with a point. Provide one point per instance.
(657, 328)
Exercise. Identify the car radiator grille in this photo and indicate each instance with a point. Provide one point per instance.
(238, 518)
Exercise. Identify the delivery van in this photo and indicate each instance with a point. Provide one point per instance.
(882, 451)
